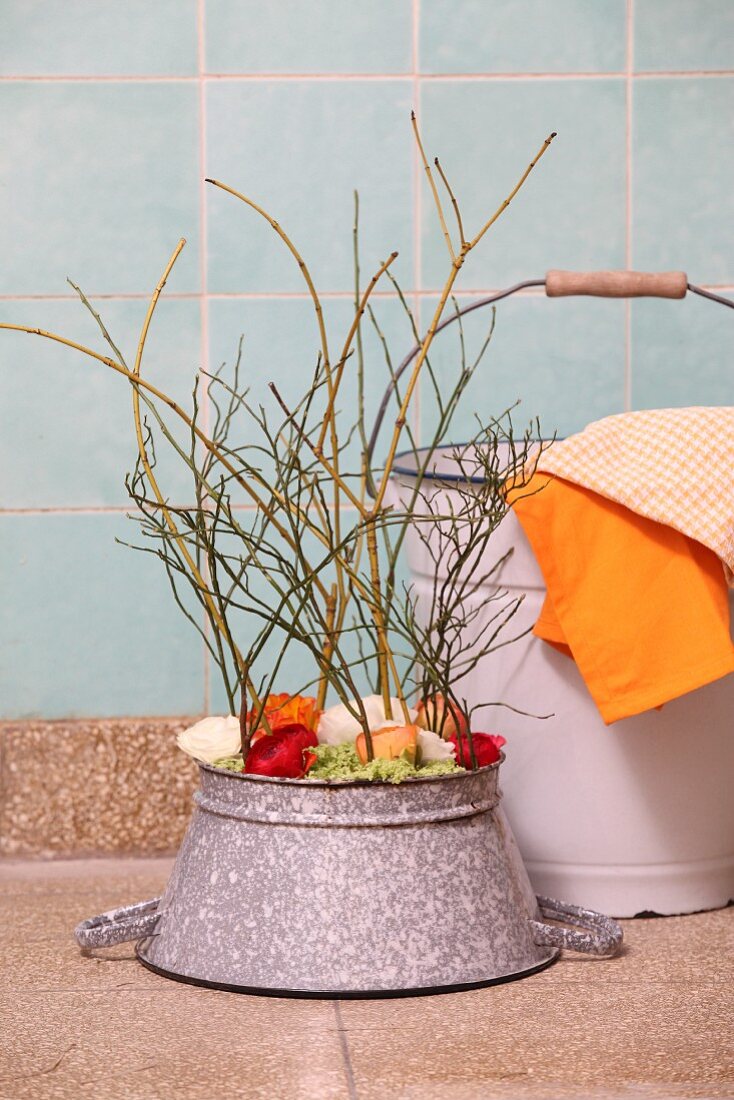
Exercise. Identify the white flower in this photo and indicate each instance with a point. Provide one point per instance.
(211, 739)
(337, 725)
(433, 747)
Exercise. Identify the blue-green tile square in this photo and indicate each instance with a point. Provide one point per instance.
(300, 149)
(683, 164)
(69, 437)
(524, 36)
(683, 35)
(681, 353)
(98, 181)
(571, 211)
(247, 36)
(562, 358)
(106, 37)
(89, 628)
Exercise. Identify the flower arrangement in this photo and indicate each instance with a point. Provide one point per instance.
(312, 568)
(331, 744)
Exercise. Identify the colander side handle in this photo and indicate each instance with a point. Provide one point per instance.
(601, 935)
(131, 922)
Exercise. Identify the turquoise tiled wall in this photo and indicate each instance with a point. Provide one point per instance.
(115, 111)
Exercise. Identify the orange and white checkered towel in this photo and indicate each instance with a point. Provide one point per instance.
(632, 520)
(674, 466)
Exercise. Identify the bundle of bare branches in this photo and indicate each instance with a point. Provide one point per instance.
(312, 562)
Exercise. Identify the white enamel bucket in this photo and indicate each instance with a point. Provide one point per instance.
(636, 817)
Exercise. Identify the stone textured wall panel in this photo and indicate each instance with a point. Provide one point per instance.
(93, 787)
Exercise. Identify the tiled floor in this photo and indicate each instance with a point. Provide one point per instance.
(655, 1022)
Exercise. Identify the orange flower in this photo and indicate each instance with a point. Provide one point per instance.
(390, 743)
(287, 710)
(436, 714)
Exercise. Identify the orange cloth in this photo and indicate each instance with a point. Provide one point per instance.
(641, 608)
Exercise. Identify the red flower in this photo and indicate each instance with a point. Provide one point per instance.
(486, 748)
(282, 753)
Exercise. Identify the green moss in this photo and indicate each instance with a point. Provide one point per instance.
(230, 763)
(342, 762)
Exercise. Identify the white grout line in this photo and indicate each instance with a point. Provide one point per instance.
(410, 76)
(96, 78)
(203, 301)
(204, 354)
(612, 75)
(275, 296)
(123, 297)
(628, 128)
(121, 510)
(417, 204)
(100, 78)
(627, 390)
(76, 510)
(195, 295)
(645, 74)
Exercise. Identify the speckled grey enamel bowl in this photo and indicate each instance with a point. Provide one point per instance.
(347, 889)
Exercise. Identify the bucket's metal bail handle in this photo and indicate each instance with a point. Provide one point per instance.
(131, 922)
(601, 935)
(604, 284)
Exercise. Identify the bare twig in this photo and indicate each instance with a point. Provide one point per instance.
(454, 203)
(432, 185)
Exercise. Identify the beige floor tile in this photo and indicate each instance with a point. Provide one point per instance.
(695, 948)
(527, 1088)
(121, 877)
(172, 1041)
(581, 1036)
(50, 977)
(654, 1023)
(52, 918)
(40, 905)
(657, 1021)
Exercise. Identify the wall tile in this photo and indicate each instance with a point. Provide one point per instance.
(89, 627)
(70, 440)
(571, 211)
(683, 162)
(62, 37)
(246, 36)
(681, 353)
(300, 149)
(98, 182)
(683, 35)
(563, 358)
(527, 36)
